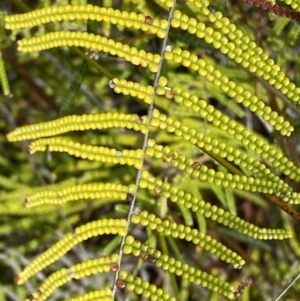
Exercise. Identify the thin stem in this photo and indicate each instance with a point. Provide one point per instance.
(93, 63)
(288, 287)
(145, 142)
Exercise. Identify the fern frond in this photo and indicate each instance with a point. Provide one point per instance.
(209, 144)
(91, 41)
(230, 88)
(209, 211)
(95, 153)
(177, 267)
(240, 48)
(210, 176)
(107, 191)
(79, 123)
(206, 242)
(77, 271)
(3, 77)
(235, 130)
(140, 287)
(280, 25)
(88, 12)
(292, 198)
(103, 295)
(186, 154)
(20, 191)
(15, 207)
(247, 138)
(100, 227)
(294, 34)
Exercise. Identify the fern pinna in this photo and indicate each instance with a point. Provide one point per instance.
(173, 152)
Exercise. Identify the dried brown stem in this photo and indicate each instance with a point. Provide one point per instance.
(275, 9)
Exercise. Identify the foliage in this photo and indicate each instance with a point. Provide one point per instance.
(179, 144)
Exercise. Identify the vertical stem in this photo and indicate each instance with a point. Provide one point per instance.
(145, 142)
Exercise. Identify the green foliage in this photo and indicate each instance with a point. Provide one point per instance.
(192, 140)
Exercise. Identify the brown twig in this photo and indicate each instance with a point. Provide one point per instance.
(275, 9)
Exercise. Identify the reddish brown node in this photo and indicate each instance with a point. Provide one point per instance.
(130, 197)
(167, 158)
(25, 202)
(157, 190)
(144, 256)
(151, 259)
(196, 165)
(39, 292)
(148, 20)
(121, 284)
(173, 154)
(211, 8)
(114, 267)
(169, 94)
(17, 279)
